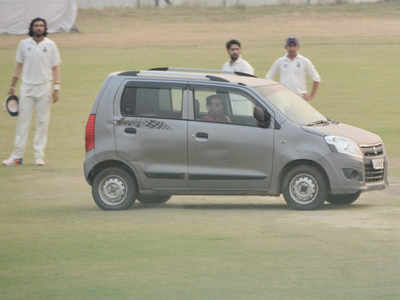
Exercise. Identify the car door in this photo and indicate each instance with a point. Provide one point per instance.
(232, 154)
(150, 133)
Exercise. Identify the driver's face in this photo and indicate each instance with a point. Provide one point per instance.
(234, 52)
(216, 107)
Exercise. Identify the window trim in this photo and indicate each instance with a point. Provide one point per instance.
(231, 124)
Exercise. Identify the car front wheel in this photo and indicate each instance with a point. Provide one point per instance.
(305, 188)
(343, 199)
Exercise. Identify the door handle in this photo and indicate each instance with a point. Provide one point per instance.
(202, 135)
(130, 130)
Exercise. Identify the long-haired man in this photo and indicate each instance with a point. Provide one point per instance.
(38, 61)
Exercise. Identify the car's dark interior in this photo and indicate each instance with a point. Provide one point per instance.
(149, 102)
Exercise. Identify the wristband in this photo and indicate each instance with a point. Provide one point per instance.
(56, 87)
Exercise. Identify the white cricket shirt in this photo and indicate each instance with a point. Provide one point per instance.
(37, 60)
(293, 73)
(239, 65)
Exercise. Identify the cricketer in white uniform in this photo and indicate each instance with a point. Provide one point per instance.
(293, 69)
(38, 60)
(236, 62)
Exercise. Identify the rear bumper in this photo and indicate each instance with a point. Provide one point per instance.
(88, 166)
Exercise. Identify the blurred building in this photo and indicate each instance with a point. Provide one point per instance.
(15, 15)
(162, 3)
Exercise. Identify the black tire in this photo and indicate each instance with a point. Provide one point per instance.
(305, 188)
(114, 189)
(151, 200)
(343, 199)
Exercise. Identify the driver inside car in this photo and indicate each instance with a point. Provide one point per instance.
(216, 110)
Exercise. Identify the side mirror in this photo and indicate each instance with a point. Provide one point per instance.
(262, 116)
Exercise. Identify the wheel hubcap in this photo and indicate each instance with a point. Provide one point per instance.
(112, 190)
(303, 188)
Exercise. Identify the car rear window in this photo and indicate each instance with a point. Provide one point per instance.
(152, 102)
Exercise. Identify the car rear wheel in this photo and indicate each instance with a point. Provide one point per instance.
(305, 188)
(343, 199)
(145, 199)
(114, 189)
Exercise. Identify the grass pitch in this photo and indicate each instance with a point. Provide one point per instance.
(56, 244)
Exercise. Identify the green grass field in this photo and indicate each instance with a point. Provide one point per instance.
(56, 244)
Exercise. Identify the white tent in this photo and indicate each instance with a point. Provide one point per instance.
(15, 15)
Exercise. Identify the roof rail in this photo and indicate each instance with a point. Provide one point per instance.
(244, 74)
(159, 69)
(156, 71)
(199, 70)
(128, 73)
(216, 78)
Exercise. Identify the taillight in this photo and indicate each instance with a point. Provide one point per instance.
(89, 136)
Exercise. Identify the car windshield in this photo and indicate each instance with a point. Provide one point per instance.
(291, 105)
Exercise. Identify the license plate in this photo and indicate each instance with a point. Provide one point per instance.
(378, 164)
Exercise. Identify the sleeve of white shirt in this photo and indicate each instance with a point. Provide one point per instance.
(224, 67)
(248, 69)
(20, 54)
(312, 71)
(272, 71)
(251, 70)
(55, 56)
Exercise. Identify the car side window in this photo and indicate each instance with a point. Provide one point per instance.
(152, 102)
(241, 106)
(224, 106)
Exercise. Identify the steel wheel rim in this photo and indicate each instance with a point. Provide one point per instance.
(113, 190)
(303, 188)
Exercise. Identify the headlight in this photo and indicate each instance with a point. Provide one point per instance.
(343, 145)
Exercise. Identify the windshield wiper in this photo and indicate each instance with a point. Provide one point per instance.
(333, 121)
(319, 122)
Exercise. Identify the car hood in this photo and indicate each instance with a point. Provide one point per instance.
(360, 136)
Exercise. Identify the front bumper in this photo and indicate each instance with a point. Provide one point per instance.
(374, 186)
(368, 180)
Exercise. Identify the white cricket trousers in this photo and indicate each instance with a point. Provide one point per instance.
(39, 97)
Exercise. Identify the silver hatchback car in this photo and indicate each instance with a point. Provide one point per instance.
(171, 131)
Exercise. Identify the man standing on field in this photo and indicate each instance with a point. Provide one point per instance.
(236, 62)
(38, 60)
(293, 69)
